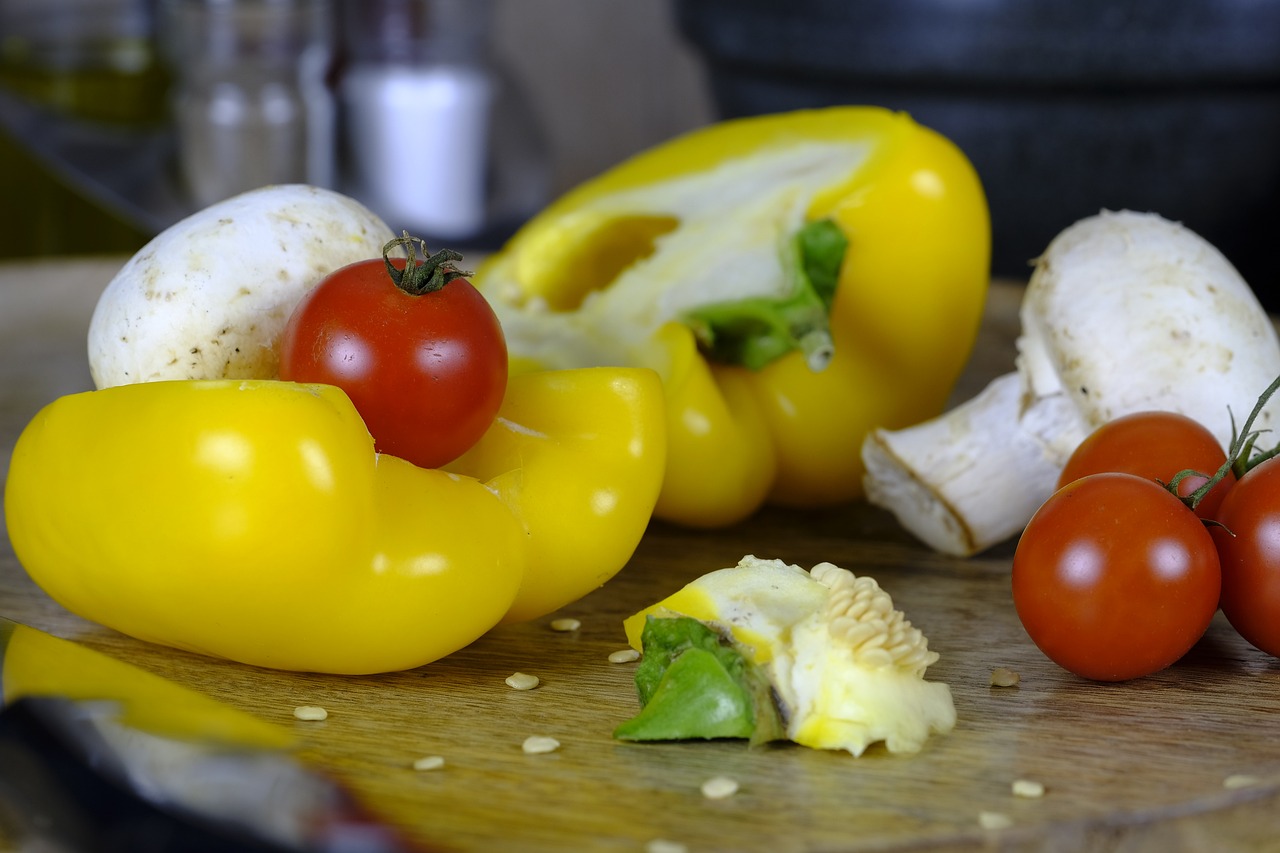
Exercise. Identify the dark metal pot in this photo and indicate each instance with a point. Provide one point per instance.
(1064, 107)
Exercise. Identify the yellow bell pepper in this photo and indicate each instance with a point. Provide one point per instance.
(37, 665)
(690, 259)
(252, 520)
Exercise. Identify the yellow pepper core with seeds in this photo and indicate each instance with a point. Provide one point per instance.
(843, 667)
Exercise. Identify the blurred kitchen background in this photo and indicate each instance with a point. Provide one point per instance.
(457, 119)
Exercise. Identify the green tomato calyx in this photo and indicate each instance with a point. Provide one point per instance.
(421, 277)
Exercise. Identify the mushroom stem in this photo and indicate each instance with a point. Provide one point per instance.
(972, 477)
(1125, 312)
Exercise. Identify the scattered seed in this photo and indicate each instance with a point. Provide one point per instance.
(565, 624)
(429, 762)
(1239, 780)
(537, 744)
(719, 787)
(1004, 677)
(662, 845)
(522, 681)
(994, 820)
(310, 712)
(1027, 788)
(624, 656)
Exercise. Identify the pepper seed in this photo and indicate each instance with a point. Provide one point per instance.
(1004, 677)
(719, 787)
(522, 681)
(662, 845)
(1027, 788)
(429, 762)
(1239, 780)
(538, 744)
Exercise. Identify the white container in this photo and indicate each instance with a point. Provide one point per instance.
(438, 141)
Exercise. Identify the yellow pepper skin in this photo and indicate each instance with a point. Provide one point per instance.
(720, 462)
(603, 274)
(582, 475)
(39, 665)
(252, 520)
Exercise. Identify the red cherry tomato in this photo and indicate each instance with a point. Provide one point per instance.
(1156, 446)
(1114, 578)
(427, 371)
(1249, 548)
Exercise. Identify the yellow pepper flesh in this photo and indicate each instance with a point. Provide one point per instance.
(253, 520)
(705, 212)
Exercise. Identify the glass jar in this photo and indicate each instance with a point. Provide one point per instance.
(251, 104)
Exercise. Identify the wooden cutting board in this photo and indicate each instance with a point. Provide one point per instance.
(1188, 759)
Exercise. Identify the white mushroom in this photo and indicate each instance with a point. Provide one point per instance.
(209, 297)
(1124, 312)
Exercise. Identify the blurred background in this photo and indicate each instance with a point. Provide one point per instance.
(111, 111)
(459, 118)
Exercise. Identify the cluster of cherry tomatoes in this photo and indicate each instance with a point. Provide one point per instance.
(1121, 571)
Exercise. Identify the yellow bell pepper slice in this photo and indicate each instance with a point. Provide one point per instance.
(252, 520)
(37, 665)
(704, 226)
(582, 474)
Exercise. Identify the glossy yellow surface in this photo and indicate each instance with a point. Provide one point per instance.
(720, 459)
(577, 455)
(36, 664)
(254, 521)
(905, 316)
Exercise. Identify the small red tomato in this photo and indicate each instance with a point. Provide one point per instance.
(420, 353)
(1114, 578)
(1156, 446)
(1249, 548)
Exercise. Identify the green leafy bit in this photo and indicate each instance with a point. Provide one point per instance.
(693, 684)
(755, 331)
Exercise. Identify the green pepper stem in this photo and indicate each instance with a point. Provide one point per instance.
(425, 276)
(755, 331)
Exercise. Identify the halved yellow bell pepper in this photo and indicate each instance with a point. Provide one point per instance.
(688, 259)
(253, 520)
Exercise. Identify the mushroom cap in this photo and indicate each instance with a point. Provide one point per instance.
(208, 297)
(1129, 312)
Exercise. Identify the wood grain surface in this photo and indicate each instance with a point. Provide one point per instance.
(1188, 759)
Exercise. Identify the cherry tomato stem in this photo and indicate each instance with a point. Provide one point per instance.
(425, 276)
